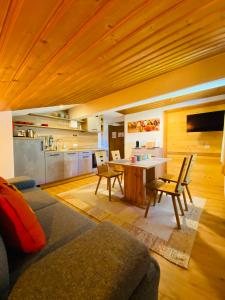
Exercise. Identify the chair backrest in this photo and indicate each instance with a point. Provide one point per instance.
(100, 158)
(101, 161)
(187, 178)
(179, 187)
(115, 154)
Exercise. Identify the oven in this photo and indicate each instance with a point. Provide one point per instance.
(94, 163)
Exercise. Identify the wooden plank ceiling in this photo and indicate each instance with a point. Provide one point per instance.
(63, 52)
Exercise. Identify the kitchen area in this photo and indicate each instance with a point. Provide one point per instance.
(52, 147)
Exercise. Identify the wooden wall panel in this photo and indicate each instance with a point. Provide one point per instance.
(207, 169)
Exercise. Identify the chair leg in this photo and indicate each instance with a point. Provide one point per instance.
(155, 198)
(109, 185)
(121, 178)
(99, 180)
(189, 193)
(176, 212)
(118, 178)
(114, 182)
(160, 197)
(148, 205)
(185, 200)
(180, 205)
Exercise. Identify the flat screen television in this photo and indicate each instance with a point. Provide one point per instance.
(212, 121)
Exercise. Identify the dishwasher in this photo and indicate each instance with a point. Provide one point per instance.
(84, 162)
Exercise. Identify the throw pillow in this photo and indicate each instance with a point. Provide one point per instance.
(19, 226)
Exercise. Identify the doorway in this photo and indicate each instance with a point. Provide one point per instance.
(116, 139)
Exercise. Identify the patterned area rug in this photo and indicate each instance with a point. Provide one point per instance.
(158, 231)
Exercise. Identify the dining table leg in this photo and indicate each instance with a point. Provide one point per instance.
(135, 180)
(109, 185)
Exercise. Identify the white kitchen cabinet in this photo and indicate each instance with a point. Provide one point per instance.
(94, 124)
(70, 164)
(84, 162)
(54, 166)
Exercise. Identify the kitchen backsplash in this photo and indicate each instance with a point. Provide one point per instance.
(69, 138)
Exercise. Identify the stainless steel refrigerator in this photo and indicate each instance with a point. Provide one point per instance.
(29, 158)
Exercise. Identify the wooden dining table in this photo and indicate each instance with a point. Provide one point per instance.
(136, 175)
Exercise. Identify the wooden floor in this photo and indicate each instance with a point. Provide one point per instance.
(205, 278)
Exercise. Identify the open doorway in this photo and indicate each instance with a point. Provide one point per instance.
(116, 139)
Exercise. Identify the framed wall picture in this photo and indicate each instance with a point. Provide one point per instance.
(121, 134)
(144, 125)
(114, 135)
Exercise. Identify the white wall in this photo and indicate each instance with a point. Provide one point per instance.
(143, 137)
(131, 138)
(6, 142)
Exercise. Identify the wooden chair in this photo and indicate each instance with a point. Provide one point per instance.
(187, 179)
(116, 156)
(105, 171)
(173, 189)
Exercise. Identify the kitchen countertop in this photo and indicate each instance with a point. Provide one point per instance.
(75, 150)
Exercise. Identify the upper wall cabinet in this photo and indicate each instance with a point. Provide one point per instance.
(93, 124)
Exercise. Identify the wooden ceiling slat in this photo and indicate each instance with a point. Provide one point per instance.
(190, 47)
(188, 40)
(96, 68)
(5, 8)
(90, 32)
(160, 22)
(85, 97)
(54, 38)
(177, 52)
(74, 51)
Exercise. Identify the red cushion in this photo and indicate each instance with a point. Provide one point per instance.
(18, 223)
(3, 180)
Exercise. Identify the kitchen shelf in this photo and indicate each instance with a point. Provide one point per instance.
(55, 118)
(49, 127)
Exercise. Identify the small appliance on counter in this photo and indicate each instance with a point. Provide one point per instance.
(30, 133)
(150, 144)
(20, 133)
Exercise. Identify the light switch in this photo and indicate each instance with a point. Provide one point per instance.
(206, 146)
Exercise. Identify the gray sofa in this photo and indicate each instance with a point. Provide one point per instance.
(82, 259)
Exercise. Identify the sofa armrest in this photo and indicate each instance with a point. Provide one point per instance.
(4, 271)
(22, 182)
(104, 263)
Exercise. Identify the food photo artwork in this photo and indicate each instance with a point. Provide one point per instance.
(144, 125)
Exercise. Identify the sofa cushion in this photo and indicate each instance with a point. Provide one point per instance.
(38, 199)
(104, 263)
(4, 271)
(148, 287)
(19, 225)
(22, 182)
(61, 225)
